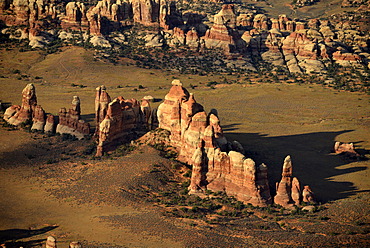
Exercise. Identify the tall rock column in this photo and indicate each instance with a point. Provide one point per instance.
(102, 99)
(23, 114)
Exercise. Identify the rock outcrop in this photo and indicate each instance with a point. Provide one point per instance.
(30, 113)
(50, 124)
(124, 120)
(283, 195)
(299, 46)
(51, 242)
(102, 99)
(16, 115)
(308, 195)
(223, 33)
(199, 140)
(71, 123)
(75, 244)
(346, 149)
(38, 120)
(288, 190)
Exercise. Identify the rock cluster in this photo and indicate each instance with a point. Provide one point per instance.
(218, 165)
(299, 46)
(70, 121)
(30, 113)
(119, 120)
(288, 190)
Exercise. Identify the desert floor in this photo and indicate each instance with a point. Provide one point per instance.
(50, 187)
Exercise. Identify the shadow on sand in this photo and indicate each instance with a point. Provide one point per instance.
(314, 163)
(10, 236)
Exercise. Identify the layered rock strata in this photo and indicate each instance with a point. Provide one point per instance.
(51, 242)
(70, 121)
(16, 115)
(199, 140)
(288, 190)
(223, 33)
(119, 121)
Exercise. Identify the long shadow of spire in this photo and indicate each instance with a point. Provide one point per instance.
(313, 162)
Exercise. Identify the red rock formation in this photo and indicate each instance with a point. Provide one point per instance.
(146, 111)
(124, 121)
(9, 112)
(38, 119)
(345, 148)
(346, 58)
(51, 242)
(199, 140)
(50, 124)
(102, 99)
(70, 122)
(288, 190)
(223, 33)
(75, 245)
(283, 195)
(75, 17)
(260, 21)
(16, 115)
(300, 45)
(245, 20)
(299, 26)
(178, 37)
(308, 195)
(192, 38)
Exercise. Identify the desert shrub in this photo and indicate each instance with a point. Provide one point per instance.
(68, 137)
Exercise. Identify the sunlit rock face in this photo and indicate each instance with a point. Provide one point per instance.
(223, 33)
(199, 140)
(118, 121)
(16, 115)
(70, 121)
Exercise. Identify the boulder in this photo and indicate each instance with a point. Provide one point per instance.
(75, 244)
(308, 195)
(346, 149)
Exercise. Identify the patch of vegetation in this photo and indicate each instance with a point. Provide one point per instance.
(68, 137)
